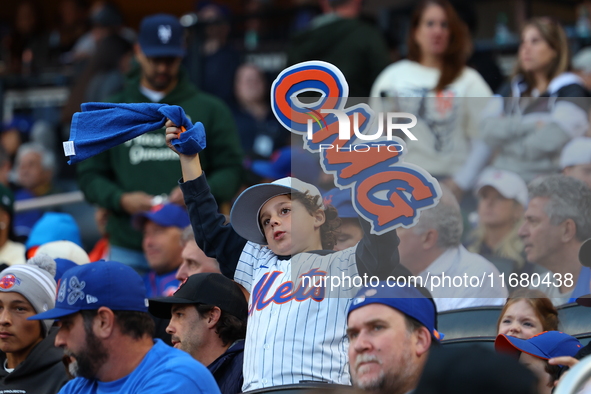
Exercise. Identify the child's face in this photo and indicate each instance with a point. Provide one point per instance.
(289, 228)
(520, 320)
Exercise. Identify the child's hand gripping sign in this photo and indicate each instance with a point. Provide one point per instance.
(385, 191)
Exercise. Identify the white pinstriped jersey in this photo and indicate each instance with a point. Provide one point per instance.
(294, 333)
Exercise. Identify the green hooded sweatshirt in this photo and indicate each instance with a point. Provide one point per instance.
(147, 164)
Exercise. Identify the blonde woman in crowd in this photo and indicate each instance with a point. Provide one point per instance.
(502, 198)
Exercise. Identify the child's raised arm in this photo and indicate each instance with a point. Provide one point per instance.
(377, 255)
(216, 239)
(190, 164)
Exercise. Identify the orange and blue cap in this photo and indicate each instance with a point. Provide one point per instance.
(341, 200)
(545, 345)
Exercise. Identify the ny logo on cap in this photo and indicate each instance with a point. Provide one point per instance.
(164, 33)
(75, 290)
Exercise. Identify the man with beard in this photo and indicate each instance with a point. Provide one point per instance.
(390, 331)
(104, 323)
(125, 179)
(208, 320)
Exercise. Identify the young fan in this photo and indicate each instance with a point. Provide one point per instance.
(278, 243)
(31, 362)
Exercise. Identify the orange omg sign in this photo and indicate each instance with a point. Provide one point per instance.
(385, 191)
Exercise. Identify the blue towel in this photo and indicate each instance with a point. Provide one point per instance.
(101, 126)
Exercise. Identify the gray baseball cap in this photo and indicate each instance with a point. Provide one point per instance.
(244, 216)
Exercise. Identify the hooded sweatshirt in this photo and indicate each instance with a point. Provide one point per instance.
(227, 369)
(147, 164)
(42, 372)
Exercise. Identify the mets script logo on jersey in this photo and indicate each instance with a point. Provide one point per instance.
(385, 191)
(8, 281)
(287, 291)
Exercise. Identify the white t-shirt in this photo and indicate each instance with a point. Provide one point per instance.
(153, 95)
(446, 121)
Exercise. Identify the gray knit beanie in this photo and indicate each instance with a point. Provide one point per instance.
(34, 281)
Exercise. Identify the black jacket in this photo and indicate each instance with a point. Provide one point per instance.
(41, 373)
(227, 369)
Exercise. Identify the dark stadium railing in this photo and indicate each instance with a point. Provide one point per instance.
(303, 387)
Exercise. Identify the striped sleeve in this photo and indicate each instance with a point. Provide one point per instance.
(245, 268)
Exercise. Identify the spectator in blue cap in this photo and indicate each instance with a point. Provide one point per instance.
(535, 352)
(162, 228)
(390, 331)
(116, 179)
(349, 232)
(105, 327)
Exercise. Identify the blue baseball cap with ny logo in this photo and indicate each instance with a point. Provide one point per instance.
(91, 286)
(161, 35)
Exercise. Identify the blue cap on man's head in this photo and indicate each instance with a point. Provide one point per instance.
(165, 215)
(161, 35)
(279, 166)
(341, 200)
(405, 299)
(104, 283)
(61, 266)
(545, 345)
